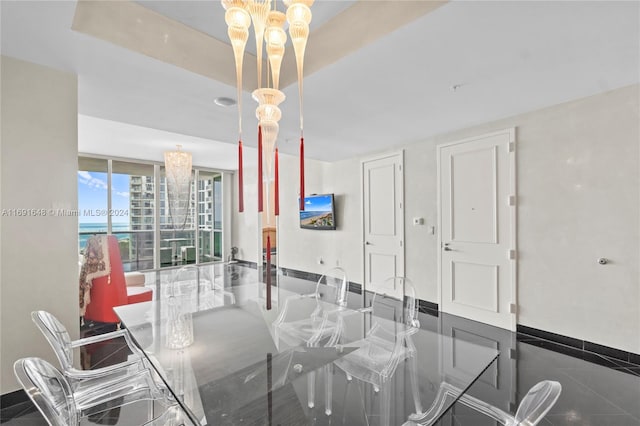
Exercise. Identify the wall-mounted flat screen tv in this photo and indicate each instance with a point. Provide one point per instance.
(319, 212)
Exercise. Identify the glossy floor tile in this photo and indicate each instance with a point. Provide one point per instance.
(597, 391)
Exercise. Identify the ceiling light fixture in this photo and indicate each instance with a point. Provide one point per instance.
(224, 102)
(177, 166)
(268, 27)
(238, 21)
(299, 18)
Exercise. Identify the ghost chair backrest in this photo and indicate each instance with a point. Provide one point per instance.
(336, 281)
(57, 336)
(405, 311)
(531, 411)
(48, 389)
(537, 402)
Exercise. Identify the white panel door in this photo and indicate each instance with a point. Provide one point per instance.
(383, 188)
(477, 228)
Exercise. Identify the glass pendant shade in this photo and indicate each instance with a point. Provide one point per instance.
(276, 39)
(178, 178)
(267, 96)
(259, 10)
(268, 115)
(238, 21)
(299, 10)
(299, 17)
(270, 131)
(299, 32)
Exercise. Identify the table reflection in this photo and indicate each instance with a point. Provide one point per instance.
(237, 370)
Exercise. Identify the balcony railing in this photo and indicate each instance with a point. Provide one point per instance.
(137, 247)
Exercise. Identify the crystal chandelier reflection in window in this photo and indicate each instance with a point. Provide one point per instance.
(178, 180)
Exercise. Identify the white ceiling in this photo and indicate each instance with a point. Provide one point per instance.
(109, 138)
(508, 57)
(208, 15)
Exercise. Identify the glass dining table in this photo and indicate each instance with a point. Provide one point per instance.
(230, 367)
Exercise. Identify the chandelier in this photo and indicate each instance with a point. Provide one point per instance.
(268, 24)
(177, 166)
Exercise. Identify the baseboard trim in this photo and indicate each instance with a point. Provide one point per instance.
(582, 345)
(424, 306)
(428, 308)
(13, 398)
(433, 309)
(15, 404)
(252, 265)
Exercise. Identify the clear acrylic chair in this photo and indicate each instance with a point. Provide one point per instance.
(386, 344)
(305, 320)
(85, 380)
(532, 409)
(302, 320)
(52, 395)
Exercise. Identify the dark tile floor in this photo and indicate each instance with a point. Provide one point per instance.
(596, 390)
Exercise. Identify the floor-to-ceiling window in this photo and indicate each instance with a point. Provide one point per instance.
(209, 215)
(177, 228)
(132, 212)
(93, 198)
(129, 199)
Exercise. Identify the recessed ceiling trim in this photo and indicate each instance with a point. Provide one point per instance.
(142, 30)
(150, 33)
(357, 26)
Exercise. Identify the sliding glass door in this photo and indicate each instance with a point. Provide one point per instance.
(130, 200)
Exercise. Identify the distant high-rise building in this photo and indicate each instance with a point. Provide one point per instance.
(141, 216)
(142, 213)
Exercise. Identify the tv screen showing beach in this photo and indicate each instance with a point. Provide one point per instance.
(318, 212)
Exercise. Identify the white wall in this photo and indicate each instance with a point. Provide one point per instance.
(38, 169)
(578, 199)
(245, 225)
(300, 248)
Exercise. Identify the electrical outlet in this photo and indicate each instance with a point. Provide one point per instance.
(418, 221)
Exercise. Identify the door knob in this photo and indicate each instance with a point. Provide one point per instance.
(367, 243)
(447, 249)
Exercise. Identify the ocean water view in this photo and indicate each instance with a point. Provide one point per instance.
(87, 229)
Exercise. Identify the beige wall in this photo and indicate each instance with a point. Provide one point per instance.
(38, 171)
(578, 184)
(245, 234)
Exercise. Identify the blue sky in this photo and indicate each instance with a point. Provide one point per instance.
(92, 195)
(318, 203)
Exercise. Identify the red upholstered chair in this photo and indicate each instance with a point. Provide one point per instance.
(111, 290)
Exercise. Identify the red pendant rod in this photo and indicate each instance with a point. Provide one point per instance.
(240, 179)
(270, 388)
(276, 190)
(260, 195)
(268, 272)
(301, 174)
